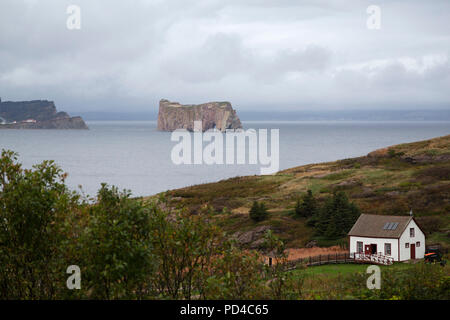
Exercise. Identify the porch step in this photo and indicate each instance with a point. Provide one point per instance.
(373, 259)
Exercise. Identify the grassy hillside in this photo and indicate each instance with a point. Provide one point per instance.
(386, 181)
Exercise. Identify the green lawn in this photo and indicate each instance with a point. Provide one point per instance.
(333, 270)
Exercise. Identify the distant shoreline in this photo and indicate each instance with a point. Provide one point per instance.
(330, 115)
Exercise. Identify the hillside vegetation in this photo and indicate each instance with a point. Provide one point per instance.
(389, 181)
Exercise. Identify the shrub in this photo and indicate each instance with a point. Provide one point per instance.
(34, 209)
(117, 253)
(258, 212)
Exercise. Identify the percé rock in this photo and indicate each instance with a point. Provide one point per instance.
(219, 115)
(36, 114)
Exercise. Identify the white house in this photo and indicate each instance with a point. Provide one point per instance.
(398, 237)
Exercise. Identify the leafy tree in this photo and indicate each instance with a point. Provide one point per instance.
(34, 206)
(184, 246)
(306, 206)
(258, 212)
(117, 258)
(236, 274)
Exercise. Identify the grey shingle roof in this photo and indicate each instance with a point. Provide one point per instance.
(371, 225)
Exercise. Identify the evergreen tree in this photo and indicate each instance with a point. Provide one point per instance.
(336, 217)
(258, 212)
(306, 206)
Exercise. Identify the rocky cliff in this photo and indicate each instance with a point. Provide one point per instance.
(36, 114)
(219, 115)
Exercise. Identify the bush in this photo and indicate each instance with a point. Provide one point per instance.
(258, 212)
(118, 259)
(236, 275)
(35, 207)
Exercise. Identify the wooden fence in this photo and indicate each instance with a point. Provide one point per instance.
(337, 258)
(333, 258)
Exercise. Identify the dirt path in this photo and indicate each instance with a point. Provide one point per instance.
(294, 254)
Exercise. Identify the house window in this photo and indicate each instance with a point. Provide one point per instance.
(417, 244)
(359, 247)
(387, 249)
(406, 245)
(411, 232)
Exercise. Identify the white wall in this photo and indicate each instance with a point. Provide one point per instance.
(379, 242)
(405, 253)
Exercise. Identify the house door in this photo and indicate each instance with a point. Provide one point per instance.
(373, 249)
(367, 249)
(413, 250)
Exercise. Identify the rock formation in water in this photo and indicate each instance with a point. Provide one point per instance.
(36, 114)
(219, 115)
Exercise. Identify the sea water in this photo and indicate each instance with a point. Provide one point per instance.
(134, 155)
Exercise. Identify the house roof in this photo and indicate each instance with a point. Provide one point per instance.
(379, 226)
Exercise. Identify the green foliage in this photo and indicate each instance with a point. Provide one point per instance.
(306, 206)
(339, 175)
(34, 205)
(258, 212)
(183, 245)
(235, 275)
(281, 283)
(252, 186)
(335, 217)
(225, 210)
(393, 153)
(420, 282)
(117, 257)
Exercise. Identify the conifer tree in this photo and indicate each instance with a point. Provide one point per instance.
(306, 206)
(258, 212)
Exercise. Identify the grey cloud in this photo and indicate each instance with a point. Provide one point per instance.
(259, 54)
(220, 55)
(223, 55)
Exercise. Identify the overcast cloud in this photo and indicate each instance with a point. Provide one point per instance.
(260, 55)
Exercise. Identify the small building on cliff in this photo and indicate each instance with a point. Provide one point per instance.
(399, 237)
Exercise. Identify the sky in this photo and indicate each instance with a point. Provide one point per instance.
(266, 55)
